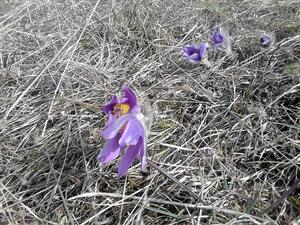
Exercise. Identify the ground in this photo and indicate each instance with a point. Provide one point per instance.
(229, 133)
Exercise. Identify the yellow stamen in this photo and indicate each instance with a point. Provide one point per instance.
(121, 109)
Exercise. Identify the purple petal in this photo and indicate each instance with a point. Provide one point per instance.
(143, 155)
(133, 131)
(265, 40)
(110, 106)
(111, 119)
(189, 50)
(202, 49)
(128, 158)
(112, 129)
(129, 97)
(195, 58)
(185, 55)
(110, 151)
(217, 37)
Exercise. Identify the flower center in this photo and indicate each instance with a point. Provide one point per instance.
(121, 109)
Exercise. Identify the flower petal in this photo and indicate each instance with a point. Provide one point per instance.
(128, 158)
(109, 107)
(189, 50)
(112, 129)
(111, 119)
(110, 151)
(129, 97)
(217, 37)
(202, 49)
(133, 131)
(186, 56)
(195, 58)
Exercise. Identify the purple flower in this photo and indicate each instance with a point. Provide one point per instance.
(195, 54)
(217, 38)
(267, 39)
(221, 40)
(124, 132)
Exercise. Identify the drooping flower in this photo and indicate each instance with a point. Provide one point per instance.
(217, 38)
(195, 54)
(266, 40)
(124, 132)
(221, 40)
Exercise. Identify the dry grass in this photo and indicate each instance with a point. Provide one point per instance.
(230, 132)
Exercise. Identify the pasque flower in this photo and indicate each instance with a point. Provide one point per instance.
(124, 132)
(217, 38)
(195, 54)
(221, 40)
(266, 40)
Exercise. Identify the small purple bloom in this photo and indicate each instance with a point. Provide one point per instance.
(217, 38)
(124, 132)
(221, 41)
(265, 40)
(195, 54)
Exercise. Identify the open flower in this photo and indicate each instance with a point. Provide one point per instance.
(124, 132)
(266, 40)
(221, 40)
(195, 54)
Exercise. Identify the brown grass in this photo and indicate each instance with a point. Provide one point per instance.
(230, 132)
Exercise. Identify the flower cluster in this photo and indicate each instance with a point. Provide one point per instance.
(126, 129)
(220, 41)
(196, 54)
(124, 132)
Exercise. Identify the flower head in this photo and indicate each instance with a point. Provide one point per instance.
(217, 38)
(124, 132)
(221, 40)
(266, 40)
(195, 54)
